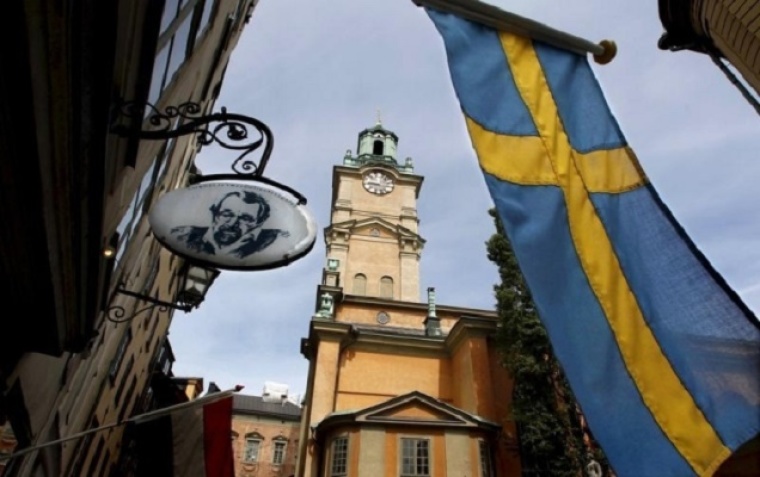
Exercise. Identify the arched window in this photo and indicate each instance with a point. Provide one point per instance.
(253, 442)
(386, 287)
(278, 451)
(377, 147)
(360, 284)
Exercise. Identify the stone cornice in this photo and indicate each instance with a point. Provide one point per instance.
(470, 326)
(350, 225)
(266, 416)
(408, 305)
(351, 334)
(342, 232)
(470, 323)
(329, 330)
(356, 172)
(399, 342)
(323, 329)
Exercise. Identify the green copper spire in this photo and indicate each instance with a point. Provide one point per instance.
(377, 145)
(432, 322)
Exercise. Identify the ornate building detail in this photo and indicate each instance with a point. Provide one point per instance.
(325, 306)
(389, 394)
(383, 318)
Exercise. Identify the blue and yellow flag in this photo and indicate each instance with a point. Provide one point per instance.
(662, 355)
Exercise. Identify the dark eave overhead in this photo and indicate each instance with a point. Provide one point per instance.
(58, 83)
(55, 83)
(677, 17)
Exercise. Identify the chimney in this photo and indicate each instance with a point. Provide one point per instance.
(432, 322)
(213, 388)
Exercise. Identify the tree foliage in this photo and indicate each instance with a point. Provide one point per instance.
(543, 406)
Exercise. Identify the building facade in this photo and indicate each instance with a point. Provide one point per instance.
(728, 28)
(67, 70)
(264, 437)
(162, 389)
(396, 386)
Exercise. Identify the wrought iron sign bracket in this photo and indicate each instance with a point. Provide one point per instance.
(259, 211)
(228, 130)
(194, 282)
(116, 313)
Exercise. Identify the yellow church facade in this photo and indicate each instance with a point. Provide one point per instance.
(396, 386)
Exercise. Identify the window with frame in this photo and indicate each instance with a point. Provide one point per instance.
(128, 397)
(360, 284)
(415, 457)
(139, 202)
(486, 467)
(84, 446)
(171, 9)
(123, 382)
(106, 463)
(150, 282)
(126, 338)
(160, 174)
(386, 287)
(95, 460)
(339, 458)
(148, 399)
(252, 447)
(205, 20)
(158, 340)
(183, 23)
(278, 454)
(166, 366)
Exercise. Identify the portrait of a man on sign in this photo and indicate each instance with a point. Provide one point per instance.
(236, 227)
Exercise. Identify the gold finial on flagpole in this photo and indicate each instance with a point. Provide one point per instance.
(610, 50)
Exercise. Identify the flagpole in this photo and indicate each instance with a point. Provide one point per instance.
(31, 449)
(142, 417)
(195, 402)
(499, 19)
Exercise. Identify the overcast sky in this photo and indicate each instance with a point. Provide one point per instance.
(317, 71)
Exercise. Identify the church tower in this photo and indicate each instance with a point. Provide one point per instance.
(396, 385)
(373, 245)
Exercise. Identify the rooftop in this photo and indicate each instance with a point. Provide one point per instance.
(243, 404)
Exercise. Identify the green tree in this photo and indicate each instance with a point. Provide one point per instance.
(543, 406)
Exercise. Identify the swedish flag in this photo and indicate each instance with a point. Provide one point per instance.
(662, 355)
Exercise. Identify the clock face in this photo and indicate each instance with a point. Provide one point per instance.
(378, 183)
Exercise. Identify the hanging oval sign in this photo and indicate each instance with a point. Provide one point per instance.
(234, 225)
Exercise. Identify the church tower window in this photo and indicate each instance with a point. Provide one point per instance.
(360, 284)
(374, 229)
(386, 287)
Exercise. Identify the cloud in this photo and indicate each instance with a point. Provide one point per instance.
(316, 72)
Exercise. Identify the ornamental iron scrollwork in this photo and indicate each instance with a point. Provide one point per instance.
(116, 313)
(228, 130)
